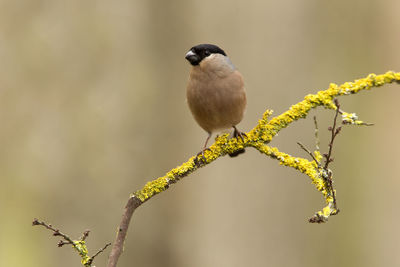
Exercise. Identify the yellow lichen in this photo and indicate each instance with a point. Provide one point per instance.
(318, 156)
(264, 132)
(80, 246)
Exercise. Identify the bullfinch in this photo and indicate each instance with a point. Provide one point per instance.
(215, 91)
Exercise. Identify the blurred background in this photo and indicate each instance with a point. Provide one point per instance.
(92, 106)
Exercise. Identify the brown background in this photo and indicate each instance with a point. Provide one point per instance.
(92, 105)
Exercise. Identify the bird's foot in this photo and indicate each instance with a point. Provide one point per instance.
(237, 133)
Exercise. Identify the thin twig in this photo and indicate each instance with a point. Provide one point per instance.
(75, 244)
(308, 152)
(85, 235)
(334, 132)
(317, 143)
(56, 232)
(330, 181)
(98, 253)
(328, 157)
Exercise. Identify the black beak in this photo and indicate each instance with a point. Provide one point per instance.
(193, 58)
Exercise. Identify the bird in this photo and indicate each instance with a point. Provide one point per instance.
(215, 91)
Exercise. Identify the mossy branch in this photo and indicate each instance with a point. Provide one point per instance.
(258, 138)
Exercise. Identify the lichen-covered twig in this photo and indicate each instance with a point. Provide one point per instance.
(309, 153)
(316, 134)
(78, 245)
(258, 138)
(325, 172)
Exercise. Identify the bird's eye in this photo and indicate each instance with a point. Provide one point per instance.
(207, 53)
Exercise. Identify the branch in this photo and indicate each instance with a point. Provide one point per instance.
(116, 250)
(309, 153)
(78, 245)
(334, 132)
(258, 138)
(325, 172)
(316, 134)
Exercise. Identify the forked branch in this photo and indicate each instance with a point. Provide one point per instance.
(259, 138)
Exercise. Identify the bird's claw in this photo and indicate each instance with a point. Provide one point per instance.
(237, 133)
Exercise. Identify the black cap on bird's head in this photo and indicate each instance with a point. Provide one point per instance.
(197, 53)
